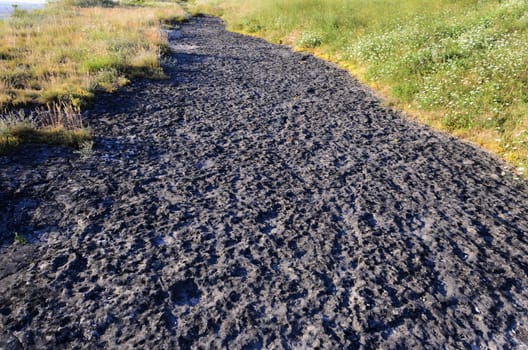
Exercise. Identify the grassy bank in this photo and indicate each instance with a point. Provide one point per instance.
(61, 55)
(460, 66)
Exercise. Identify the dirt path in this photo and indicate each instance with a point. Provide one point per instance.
(260, 199)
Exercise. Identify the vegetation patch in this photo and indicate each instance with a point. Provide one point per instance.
(62, 54)
(54, 124)
(20, 239)
(460, 66)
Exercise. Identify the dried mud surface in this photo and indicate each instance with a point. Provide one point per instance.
(260, 199)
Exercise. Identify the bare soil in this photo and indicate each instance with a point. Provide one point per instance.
(260, 199)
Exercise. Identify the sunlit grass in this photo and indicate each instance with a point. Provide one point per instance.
(460, 66)
(63, 54)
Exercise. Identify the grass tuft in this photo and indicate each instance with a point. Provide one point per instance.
(57, 124)
(20, 239)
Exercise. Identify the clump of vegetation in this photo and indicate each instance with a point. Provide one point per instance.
(457, 65)
(61, 55)
(20, 239)
(85, 149)
(57, 124)
(67, 51)
(309, 40)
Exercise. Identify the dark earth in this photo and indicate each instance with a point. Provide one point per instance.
(260, 199)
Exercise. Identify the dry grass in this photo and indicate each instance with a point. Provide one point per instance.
(59, 124)
(65, 53)
(61, 55)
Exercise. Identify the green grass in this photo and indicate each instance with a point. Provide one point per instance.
(460, 66)
(65, 53)
(20, 239)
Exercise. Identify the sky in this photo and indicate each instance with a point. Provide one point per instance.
(9, 2)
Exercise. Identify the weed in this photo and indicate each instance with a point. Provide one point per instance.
(85, 150)
(20, 239)
(309, 40)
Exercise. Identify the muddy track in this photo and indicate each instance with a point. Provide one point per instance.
(260, 199)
